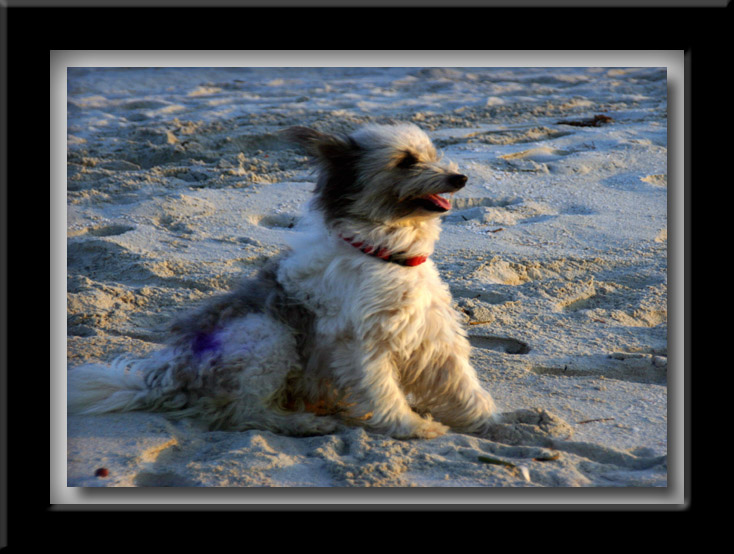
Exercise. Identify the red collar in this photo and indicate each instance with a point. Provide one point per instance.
(384, 254)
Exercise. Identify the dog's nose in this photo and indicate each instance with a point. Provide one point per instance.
(458, 181)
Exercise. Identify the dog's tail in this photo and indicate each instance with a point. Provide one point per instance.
(99, 388)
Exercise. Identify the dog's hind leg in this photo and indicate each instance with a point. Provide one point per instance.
(246, 413)
(259, 404)
(252, 379)
(237, 378)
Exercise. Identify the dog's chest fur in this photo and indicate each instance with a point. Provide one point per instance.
(357, 297)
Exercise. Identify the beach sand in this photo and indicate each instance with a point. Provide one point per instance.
(555, 252)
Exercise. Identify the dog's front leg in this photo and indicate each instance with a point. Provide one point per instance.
(456, 397)
(380, 402)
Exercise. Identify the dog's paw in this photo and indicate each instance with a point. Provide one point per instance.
(322, 426)
(423, 429)
(431, 430)
(306, 425)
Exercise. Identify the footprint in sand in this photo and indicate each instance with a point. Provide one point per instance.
(622, 366)
(504, 212)
(540, 154)
(500, 344)
(275, 221)
(532, 427)
(100, 231)
(534, 159)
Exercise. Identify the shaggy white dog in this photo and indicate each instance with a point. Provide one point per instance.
(352, 324)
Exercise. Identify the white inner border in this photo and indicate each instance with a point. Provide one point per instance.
(63, 496)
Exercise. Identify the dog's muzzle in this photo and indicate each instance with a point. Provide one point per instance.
(457, 181)
(437, 203)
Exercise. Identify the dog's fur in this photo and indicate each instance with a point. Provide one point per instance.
(326, 332)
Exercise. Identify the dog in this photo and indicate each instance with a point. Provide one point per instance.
(351, 325)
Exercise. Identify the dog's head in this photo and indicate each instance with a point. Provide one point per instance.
(386, 174)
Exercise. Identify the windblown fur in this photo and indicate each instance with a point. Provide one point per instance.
(327, 332)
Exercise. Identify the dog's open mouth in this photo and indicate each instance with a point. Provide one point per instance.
(435, 203)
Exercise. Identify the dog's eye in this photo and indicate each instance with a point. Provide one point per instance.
(407, 161)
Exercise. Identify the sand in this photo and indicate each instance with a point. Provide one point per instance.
(555, 252)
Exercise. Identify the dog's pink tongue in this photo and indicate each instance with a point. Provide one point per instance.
(439, 201)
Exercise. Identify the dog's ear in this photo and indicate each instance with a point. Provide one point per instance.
(323, 147)
(306, 137)
(337, 157)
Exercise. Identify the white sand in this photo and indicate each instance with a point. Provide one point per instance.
(556, 252)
